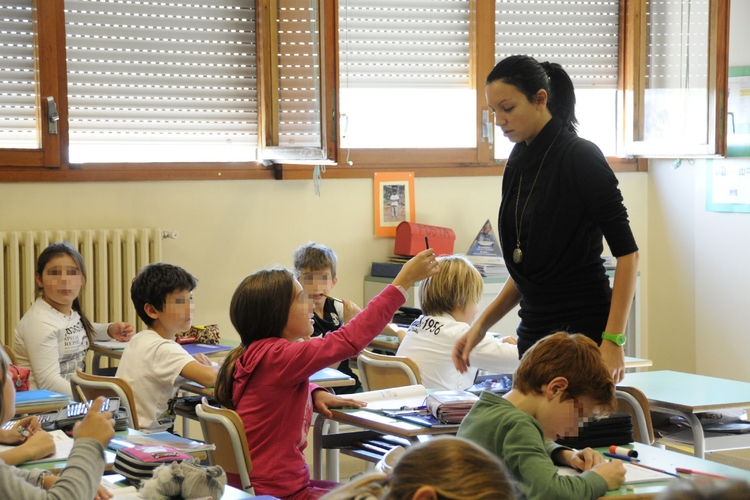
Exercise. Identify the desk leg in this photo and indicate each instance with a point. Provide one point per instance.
(699, 439)
(332, 455)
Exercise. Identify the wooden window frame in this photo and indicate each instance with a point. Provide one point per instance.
(50, 163)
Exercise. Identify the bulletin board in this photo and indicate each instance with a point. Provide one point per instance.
(738, 112)
(728, 185)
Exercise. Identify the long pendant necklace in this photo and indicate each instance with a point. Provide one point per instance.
(517, 253)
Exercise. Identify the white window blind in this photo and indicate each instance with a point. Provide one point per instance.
(299, 74)
(404, 43)
(677, 95)
(581, 36)
(156, 81)
(404, 74)
(18, 124)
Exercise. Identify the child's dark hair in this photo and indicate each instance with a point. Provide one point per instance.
(573, 356)
(56, 250)
(259, 310)
(530, 76)
(314, 257)
(154, 283)
(4, 364)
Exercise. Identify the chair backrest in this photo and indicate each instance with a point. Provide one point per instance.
(378, 371)
(224, 428)
(93, 386)
(632, 401)
(11, 354)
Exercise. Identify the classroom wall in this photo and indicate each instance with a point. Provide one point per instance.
(231, 228)
(698, 271)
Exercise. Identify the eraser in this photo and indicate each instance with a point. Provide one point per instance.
(619, 450)
(629, 487)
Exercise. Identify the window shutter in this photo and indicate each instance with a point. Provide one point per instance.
(161, 81)
(404, 43)
(18, 123)
(581, 36)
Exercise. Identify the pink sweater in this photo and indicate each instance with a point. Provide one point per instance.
(272, 393)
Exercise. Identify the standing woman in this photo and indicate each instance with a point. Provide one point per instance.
(53, 337)
(559, 197)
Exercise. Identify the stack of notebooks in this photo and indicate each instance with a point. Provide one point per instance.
(40, 398)
(450, 407)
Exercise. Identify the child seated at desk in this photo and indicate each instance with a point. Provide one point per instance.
(561, 381)
(153, 363)
(441, 468)
(450, 301)
(85, 465)
(265, 380)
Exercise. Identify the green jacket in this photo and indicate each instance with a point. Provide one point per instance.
(518, 439)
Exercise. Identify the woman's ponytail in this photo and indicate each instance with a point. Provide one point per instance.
(562, 95)
(225, 378)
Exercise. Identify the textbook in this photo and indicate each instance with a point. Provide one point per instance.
(39, 397)
(450, 407)
(397, 398)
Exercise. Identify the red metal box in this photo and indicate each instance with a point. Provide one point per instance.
(410, 239)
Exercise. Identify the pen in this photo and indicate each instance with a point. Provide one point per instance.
(655, 469)
(624, 458)
(333, 298)
(426, 243)
(698, 473)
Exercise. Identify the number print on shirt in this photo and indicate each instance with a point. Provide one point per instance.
(430, 325)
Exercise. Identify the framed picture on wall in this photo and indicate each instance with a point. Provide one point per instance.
(394, 201)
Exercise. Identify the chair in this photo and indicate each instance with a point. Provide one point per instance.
(378, 371)
(632, 401)
(224, 428)
(11, 354)
(87, 386)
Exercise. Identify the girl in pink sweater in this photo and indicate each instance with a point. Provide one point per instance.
(266, 378)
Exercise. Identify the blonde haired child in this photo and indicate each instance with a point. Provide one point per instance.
(266, 378)
(85, 465)
(449, 301)
(446, 468)
(561, 381)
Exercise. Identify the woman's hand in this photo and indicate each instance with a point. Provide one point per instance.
(463, 347)
(322, 400)
(614, 358)
(121, 331)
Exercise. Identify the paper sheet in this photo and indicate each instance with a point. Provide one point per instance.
(395, 398)
(63, 446)
(633, 474)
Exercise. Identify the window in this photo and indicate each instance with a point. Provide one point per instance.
(204, 89)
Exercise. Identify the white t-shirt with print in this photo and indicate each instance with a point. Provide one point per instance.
(152, 365)
(52, 345)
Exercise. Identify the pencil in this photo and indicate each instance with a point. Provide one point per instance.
(426, 243)
(333, 298)
(637, 464)
(699, 473)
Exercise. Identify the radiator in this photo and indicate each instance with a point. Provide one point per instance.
(112, 258)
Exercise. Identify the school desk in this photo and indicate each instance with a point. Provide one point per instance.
(686, 394)
(113, 350)
(326, 435)
(669, 461)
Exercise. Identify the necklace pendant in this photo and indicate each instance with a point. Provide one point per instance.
(517, 255)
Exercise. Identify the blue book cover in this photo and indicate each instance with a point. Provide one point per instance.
(40, 396)
(194, 349)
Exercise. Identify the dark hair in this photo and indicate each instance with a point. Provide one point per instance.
(259, 310)
(530, 76)
(314, 257)
(573, 356)
(65, 248)
(154, 283)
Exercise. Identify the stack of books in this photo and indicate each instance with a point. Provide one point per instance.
(40, 398)
(450, 407)
(489, 266)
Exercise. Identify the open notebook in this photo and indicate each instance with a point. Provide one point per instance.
(633, 474)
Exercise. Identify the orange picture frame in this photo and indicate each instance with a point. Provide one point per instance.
(394, 201)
